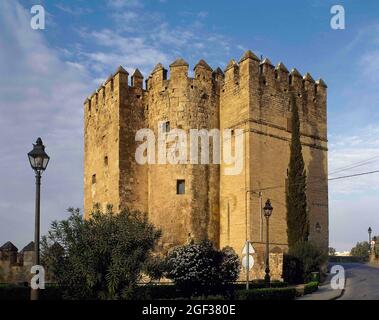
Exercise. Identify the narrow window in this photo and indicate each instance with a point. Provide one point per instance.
(94, 179)
(106, 160)
(166, 127)
(180, 186)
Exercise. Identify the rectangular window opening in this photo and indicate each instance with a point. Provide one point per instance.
(180, 186)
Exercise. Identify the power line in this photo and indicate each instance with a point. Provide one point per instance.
(319, 180)
(355, 165)
(354, 175)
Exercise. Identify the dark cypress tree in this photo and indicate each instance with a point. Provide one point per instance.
(297, 215)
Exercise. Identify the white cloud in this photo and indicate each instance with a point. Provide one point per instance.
(41, 95)
(75, 11)
(118, 4)
(360, 151)
(143, 38)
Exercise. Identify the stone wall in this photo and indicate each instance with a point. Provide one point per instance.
(15, 266)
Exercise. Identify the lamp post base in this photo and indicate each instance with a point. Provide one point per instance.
(267, 280)
(34, 294)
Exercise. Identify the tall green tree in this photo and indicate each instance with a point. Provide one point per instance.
(297, 214)
(99, 258)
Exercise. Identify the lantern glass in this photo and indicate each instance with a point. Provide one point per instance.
(268, 209)
(38, 158)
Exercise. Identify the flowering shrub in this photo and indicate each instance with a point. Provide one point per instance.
(199, 269)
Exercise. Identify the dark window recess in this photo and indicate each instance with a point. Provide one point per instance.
(180, 186)
(93, 178)
(106, 160)
(166, 126)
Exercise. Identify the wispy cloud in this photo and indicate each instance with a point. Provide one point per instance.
(76, 10)
(351, 155)
(41, 95)
(125, 3)
(142, 38)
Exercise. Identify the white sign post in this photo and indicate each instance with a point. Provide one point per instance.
(247, 260)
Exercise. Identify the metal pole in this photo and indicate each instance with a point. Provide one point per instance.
(246, 243)
(261, 215)
(246, 216)
(35, 293)
(247, 262)
(267, 276)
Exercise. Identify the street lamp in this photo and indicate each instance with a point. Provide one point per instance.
(39, 160)
(369, 235)
(318, 227)
(267, 212)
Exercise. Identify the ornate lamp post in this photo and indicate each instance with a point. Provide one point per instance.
(369, 235)
(267, 212)
(38, 159)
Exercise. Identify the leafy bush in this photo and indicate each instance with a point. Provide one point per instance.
(268, 294)
(101, 258)
(155, 267)
(199, 269)
(301, 260)
(362, 249)
(310, 287)
(292, 269)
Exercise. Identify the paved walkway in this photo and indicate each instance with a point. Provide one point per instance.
(324, 292)
(362, 283)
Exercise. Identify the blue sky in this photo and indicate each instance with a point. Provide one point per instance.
(46, 75)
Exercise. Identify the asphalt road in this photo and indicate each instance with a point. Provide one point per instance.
(362, 282)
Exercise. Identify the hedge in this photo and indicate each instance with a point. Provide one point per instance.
(18, 292)
(260, 284)
(156, 291)
(153, 292)
(273, 294)
(310, 287)
(347, 259)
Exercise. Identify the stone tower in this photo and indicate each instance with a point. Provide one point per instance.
(252, 98)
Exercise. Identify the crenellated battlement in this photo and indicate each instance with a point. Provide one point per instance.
(114, 85)
(266, 74)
